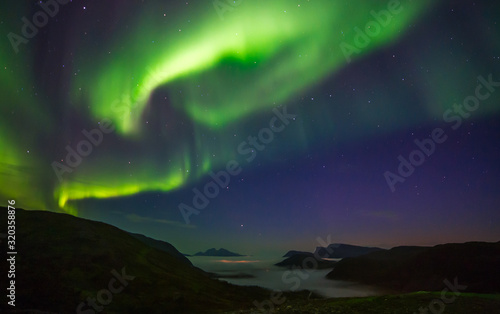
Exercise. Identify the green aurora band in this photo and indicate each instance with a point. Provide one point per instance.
(260, 54)
(270, 49)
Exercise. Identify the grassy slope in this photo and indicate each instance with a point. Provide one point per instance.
(402, 304)
(62, 260)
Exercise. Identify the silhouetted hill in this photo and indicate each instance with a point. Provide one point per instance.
(474, 264)
(335, 250)
(219, 252)
(338, 250)
(305, 260)
(292, 253)
(63, 260)
(162, 246)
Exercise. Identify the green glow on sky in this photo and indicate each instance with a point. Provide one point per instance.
(262, 54)
(259, 55)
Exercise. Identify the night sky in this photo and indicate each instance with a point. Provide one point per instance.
(311, 105)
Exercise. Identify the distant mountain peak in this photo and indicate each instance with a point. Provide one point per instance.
(340, 250)
(336, 250)
(294, 252)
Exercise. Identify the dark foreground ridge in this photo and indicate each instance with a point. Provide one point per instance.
(413, 268)
(62, 260)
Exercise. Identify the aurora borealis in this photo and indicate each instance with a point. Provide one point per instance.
(183, 84)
